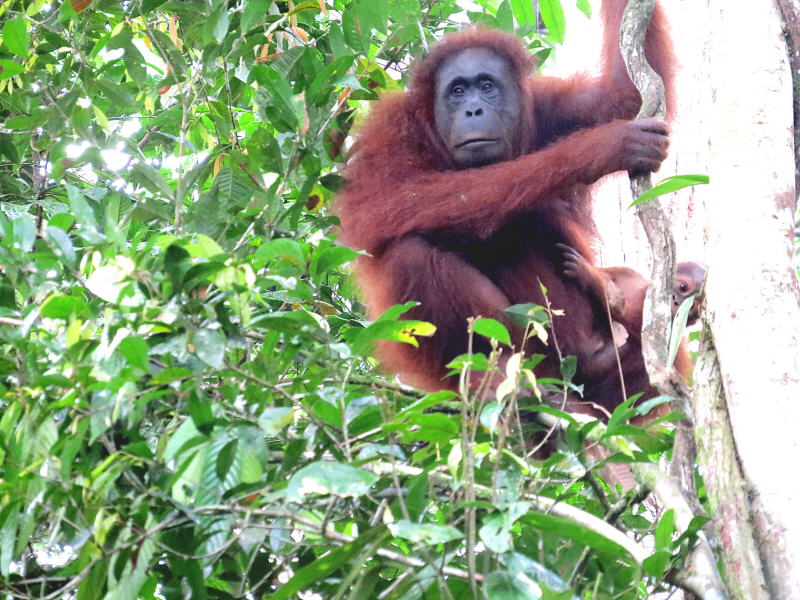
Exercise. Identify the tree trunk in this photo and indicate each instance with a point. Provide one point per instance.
(736, 124)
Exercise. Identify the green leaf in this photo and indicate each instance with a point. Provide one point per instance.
(424, 533)
(435, 428)
(225, 459)
(203, 246)
(8, 148)
(253, 14)
(263, 146)
(181, 439)
(209, 345)
(671, 184)
(217, 24)
(117, 95)
(565, 528)
(357, 26)
(329, 259)
(274, 420)
(502, 585)
(473, 362)
(200, 410)
(291, 322)
(111, 283)
(34, 7)
(405, 11)
(330, 478)
(9, 517)
(523, 12)
(284, 63)
(16, 37)
(657, 564)
(220, 472)
(135, 350)
(331, 77)
(284, 248)
(496, 529)
(229, 189)
(427, 402)
(63, 307)
(505, 17)
(568, 367)
(176, 263)
(329, 562)
(134, 574)
(135, 65)
(394, 312)
(664, 530)
(553, 16)
(493, 329)
(80, 208)
(490, 415)
(678, 328)
(24, 228)
(524, 314)
(395, 331)
(620, 416)
(516, 563)
(63, 221)
(153, 179)
(171, 374)
(274, 101)
(302, 6)
(585, 7)
(61, 245)
(9, 68)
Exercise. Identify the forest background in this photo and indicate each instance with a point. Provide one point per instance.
(189, 404)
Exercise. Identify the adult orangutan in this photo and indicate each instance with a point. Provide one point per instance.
(462, 188)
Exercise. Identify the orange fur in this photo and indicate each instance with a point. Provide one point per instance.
(471, 242)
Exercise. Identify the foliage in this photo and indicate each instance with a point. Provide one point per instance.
(189, 407)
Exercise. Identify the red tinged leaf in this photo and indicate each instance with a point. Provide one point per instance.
(79, 5)
(313, 202)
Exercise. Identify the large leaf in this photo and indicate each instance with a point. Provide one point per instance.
(502, 585)
(493, 329)
(574, 532)
(274, 100)
(16, 37)
(330, 478)
(670, 185)
(424, 533)
(553, 16)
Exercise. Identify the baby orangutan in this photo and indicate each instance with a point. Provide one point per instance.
(624, 290)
